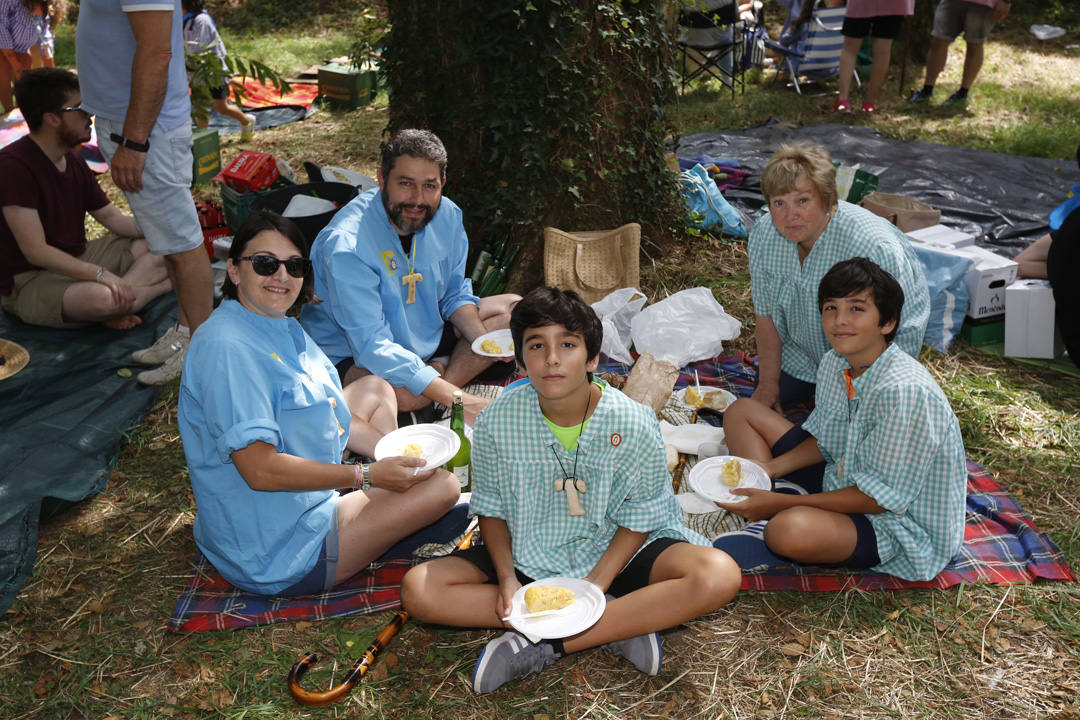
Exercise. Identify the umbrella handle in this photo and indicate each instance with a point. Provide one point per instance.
(359, 668)
(362, 664)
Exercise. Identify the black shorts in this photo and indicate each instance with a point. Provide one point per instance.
(632, 577)
(219, 93)
(886, 27)
(811, 480)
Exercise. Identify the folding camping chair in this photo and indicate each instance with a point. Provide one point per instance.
(709, 42)
(820, 56)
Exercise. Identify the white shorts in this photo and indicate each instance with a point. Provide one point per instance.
(164, 208)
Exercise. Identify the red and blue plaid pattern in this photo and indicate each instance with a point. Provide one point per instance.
(211, 603)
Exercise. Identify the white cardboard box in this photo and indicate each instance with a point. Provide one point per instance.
(1030, 329)
(986, 280)
(939, 234)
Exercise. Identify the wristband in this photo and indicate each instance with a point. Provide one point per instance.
(100, 273)
(130, 144)
(362, 474)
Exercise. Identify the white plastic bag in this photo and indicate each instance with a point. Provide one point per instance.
(683, 328)
(331, 173)
(615, 311)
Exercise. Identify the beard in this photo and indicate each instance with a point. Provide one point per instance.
(73, 138)
(397, 216)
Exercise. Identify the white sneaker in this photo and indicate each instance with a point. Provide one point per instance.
(164, 374)
(172, 342)
(248, 131)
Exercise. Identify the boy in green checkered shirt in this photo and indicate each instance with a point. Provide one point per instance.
(570, 480)
(881, 455)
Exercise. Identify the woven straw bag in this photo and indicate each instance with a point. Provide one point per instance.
(592, 263)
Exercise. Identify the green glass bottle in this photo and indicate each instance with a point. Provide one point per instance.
(460, 464)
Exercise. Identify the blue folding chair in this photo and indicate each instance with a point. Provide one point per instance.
(819, 57)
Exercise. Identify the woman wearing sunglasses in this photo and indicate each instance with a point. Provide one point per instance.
(264, 423)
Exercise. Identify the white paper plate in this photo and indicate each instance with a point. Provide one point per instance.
(718, 396)
(577, 617)
(439, 443)
(705, 479)
(504, 339)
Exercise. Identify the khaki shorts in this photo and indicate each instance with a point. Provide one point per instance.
(37, 296)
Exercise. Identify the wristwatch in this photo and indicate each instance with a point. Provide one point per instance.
(130, 144)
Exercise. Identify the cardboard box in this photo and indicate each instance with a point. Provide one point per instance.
(345, 87)
(986, 281)
(1030, 328)
(206, 156)
(983, 332)
(941, 235)
(249, 172)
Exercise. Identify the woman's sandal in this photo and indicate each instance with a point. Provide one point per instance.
(841, 106)
(869, 108)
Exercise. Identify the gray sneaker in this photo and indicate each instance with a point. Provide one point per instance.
(643, 651)
(508, 657)
(163, 374)
(169, 344)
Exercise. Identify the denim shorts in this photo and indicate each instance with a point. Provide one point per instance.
(164, 208)
(321, 577)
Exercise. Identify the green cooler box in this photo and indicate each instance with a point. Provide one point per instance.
(206, 155)
(345, 87)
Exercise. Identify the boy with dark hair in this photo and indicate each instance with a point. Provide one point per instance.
(560, 431)
(881, 455)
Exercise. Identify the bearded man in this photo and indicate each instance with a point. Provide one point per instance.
(390, 272)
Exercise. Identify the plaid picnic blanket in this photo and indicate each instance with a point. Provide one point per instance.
(211, 603)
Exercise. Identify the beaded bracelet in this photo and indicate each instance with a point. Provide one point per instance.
(100, 272)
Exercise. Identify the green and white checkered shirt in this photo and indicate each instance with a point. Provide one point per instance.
(899, 442)
(621, 461)
(786, 291)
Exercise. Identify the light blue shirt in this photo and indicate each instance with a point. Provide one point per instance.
(249, 377)
(899, 442)
(620, 456)
(105, 49)
(359, 265)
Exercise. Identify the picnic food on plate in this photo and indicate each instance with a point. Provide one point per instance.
(547, 597)
(490, 346)
(413, 450)
(731, 473)
(713, 400)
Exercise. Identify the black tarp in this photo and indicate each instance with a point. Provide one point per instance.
(63, 419)
(1003, 200)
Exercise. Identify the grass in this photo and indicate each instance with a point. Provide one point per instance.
(86, 637)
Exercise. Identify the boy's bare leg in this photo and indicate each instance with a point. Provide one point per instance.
(811, 536)
(687, 581)
(451, 591)
(751, 429)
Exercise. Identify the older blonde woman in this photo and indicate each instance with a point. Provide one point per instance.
(807, 231)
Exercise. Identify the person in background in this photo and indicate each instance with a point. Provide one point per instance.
(200, 35)
(972, 17)
(49, 274)
(17, 35)
(1055, 256)
(131, 71)
(881, 20)
(264, 422)
(807, 231)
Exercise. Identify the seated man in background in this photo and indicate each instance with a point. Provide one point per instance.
(390, 270)
(49, 274)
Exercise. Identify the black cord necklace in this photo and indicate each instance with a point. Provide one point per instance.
(577, 448)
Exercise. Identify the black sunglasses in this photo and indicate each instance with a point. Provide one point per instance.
(267, 265)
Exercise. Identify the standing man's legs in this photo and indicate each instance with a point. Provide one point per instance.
(973, 62)
(935, 59)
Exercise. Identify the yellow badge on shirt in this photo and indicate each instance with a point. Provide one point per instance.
(388, 260)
